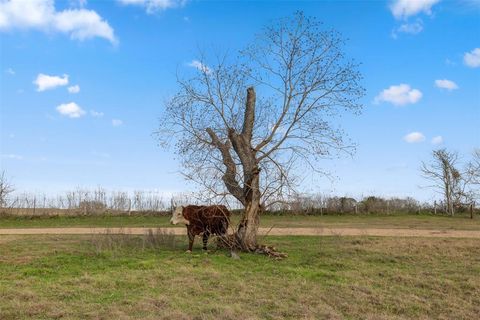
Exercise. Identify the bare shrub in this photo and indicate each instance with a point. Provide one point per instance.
(158, 239)
(110, 241)
(153, 239)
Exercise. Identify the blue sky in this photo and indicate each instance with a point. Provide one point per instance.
(420, 61)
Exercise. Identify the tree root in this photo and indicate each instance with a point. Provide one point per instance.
(232, 243)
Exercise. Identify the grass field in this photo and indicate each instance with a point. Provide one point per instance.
(354, 221)
(84, 277)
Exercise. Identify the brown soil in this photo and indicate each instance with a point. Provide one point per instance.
(265, 231)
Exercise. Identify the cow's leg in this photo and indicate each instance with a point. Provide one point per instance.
(191, 237)
(205, 240)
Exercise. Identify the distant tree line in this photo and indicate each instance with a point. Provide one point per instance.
(457, 182)
(102, 202)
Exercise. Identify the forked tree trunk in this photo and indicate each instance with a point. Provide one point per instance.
(249, 194)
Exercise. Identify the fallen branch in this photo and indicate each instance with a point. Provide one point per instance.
(230, 242)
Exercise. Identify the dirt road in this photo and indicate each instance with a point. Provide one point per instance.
(265, 231)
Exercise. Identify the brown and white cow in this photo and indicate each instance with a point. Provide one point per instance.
(204, 220)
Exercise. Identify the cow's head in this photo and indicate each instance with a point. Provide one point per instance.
(177, 216)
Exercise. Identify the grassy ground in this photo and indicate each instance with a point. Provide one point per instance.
(353, 221)
(329, 277)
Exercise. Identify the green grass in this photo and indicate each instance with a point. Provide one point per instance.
(79, 277)
(349, 221)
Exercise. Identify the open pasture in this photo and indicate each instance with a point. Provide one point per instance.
(131, 277)
(438, 222)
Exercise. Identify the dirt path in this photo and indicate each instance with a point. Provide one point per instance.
(263, 231)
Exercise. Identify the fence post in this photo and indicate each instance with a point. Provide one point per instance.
(435, 207)
(471, 210)
(34, 204)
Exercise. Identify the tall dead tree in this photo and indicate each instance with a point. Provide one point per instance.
(236, 144)
(445, 176)
(473, 175)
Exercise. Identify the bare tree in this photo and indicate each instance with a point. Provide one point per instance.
(473, 176)
(453, 183)
(5, 189)
(235, 144)
(474, 167)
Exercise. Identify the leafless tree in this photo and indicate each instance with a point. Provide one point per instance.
(473, 175)
(6, 188)
(235, 144)
(474, 167)
(453, 183)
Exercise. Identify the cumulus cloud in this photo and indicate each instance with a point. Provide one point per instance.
(200, 66)
(152, 6)
(80, 24)
(437, 140)
(414, 137)
(446, 84)
(96, 114)
(399, 95)
(46, 82)
(10, 71)
(71, 110)
(74, 89)
(472, 58)
(117, 122)
(402, 9)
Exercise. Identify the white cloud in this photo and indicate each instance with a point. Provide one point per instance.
(437, 140)
(472, 58)
(412, 28)
(80, 24)
(74, 89)
(78, 3)
(402, 9)
(10, 71)
(117, 122)
(200, 66)
(96, 114)
(399, 95)
(152, 6)
(446, 84)
(71, 110)
(414, 137)
(12, 156)
(46, 82)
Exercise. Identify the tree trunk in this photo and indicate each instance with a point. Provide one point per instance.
(248, 227)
